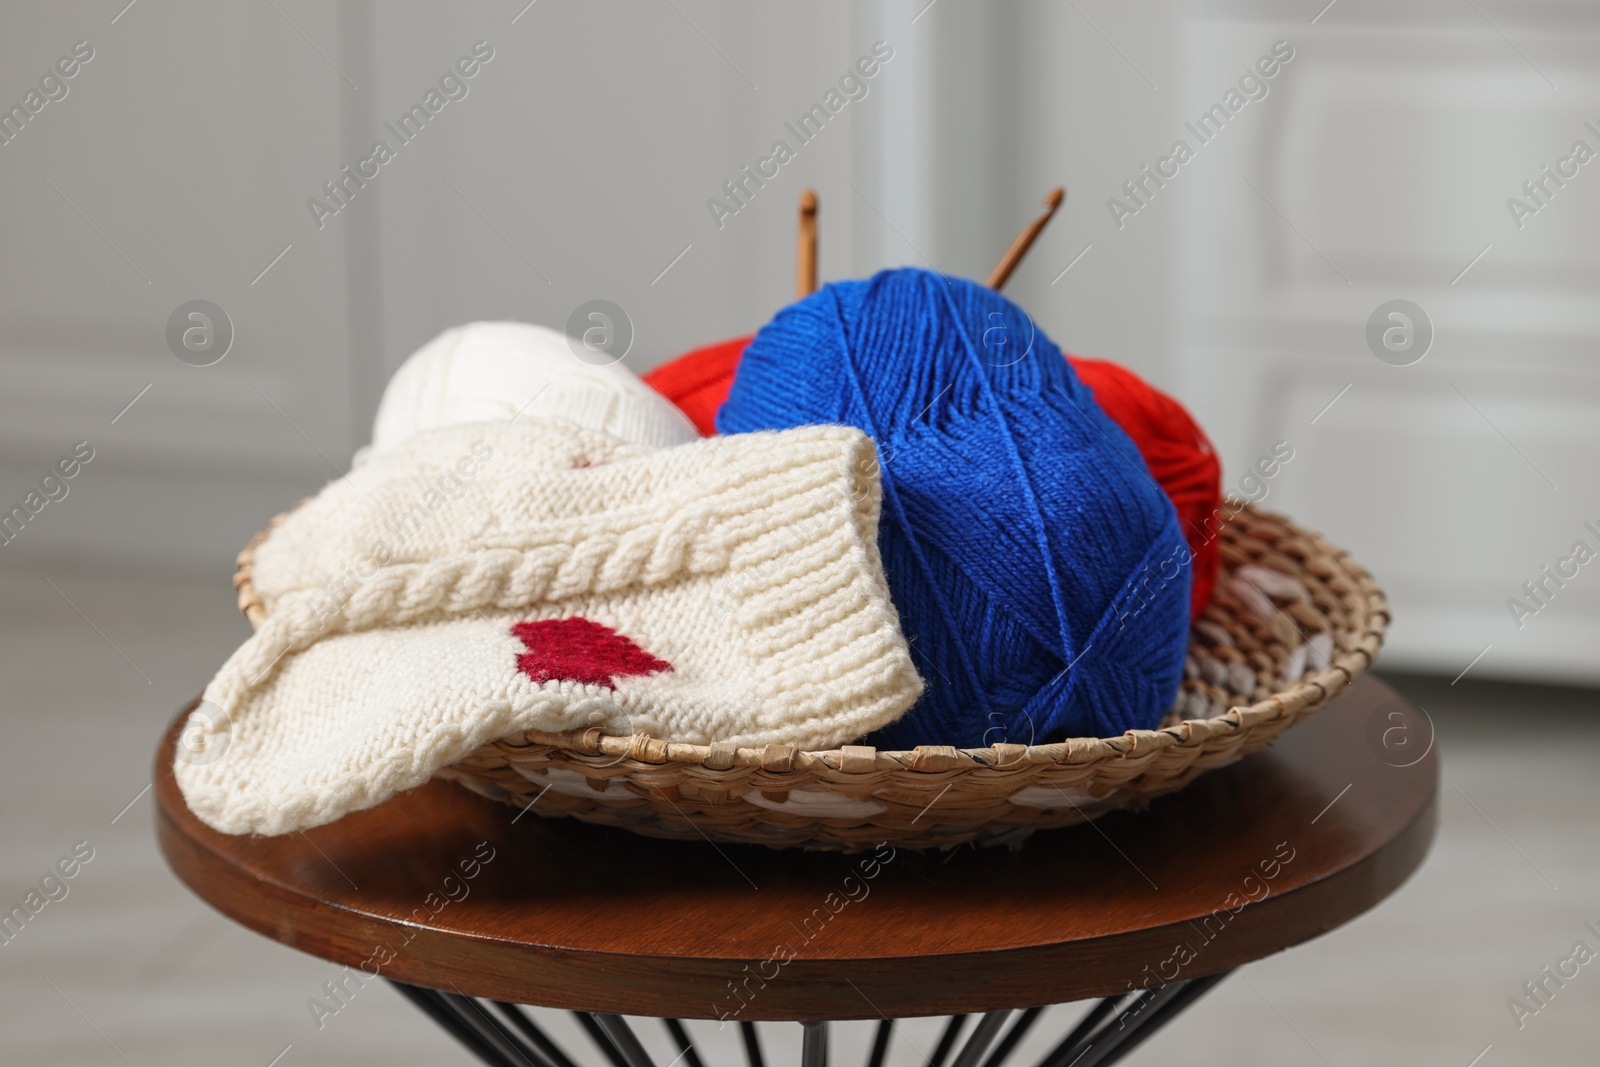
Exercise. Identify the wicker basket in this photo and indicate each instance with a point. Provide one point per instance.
(1292, 623)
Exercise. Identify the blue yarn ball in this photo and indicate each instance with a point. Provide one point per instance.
(1039, 571)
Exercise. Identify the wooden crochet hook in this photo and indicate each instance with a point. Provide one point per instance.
(1025, 239)
(806, 268)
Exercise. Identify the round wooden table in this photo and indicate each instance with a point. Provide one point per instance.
(454, 897)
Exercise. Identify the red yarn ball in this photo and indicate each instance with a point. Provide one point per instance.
(1176, 450)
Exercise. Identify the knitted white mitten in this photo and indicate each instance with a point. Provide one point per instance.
(479, 580)
(487, 371)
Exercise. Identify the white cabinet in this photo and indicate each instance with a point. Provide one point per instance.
(1379, 168)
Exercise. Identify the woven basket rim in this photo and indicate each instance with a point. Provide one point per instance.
(1309, 690)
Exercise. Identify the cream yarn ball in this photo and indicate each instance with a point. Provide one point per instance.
(494, 371)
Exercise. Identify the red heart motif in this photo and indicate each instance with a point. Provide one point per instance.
(576, 649)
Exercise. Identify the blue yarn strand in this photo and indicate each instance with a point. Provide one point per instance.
(1015, 459)
(947, 617)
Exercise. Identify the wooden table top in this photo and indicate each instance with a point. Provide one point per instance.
(443, 888)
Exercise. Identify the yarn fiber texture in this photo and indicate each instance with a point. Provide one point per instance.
(1180, 456)
(1022, 535)
(698, 382)
(724, 590)
(494, 371)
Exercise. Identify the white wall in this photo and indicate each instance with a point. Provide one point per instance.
(1387, 149)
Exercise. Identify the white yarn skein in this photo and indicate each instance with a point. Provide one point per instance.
(494, 371)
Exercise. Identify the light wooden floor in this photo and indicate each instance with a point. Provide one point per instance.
(129, 968)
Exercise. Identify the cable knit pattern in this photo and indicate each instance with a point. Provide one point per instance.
(749, 563)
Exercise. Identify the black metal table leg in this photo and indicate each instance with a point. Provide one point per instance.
(982, 1035)
(1106, 1034)
(814, 1045)
(880, 1043)
(598, 1036)
(622, 1036)
(691, 1056)
(433, 1004)
(1070, 1048)
(1101, 1039)
(535, 1036)
(1018, 1031)
(1160, 1015)
(947, 1040)
(752, 1043)
(1102, 1046)
(492, 1031)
